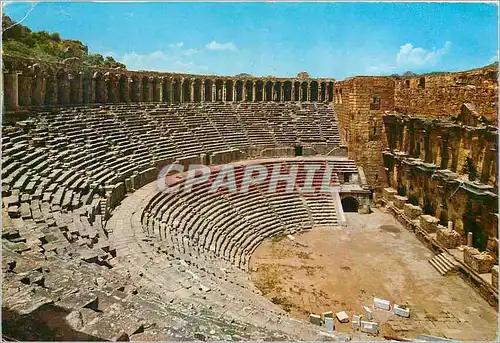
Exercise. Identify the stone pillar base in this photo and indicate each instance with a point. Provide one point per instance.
(449, 239)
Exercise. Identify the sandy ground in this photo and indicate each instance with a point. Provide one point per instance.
(335, 269)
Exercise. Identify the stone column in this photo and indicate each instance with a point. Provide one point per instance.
(181, 91)
(214, 91)
(160, 84)
(11, 90)
(273, 92)
(202, 90)
(308, 91)
(244, 92)
(234, 91)
(301, 93)
(191, 97)
(320, 98)
(254, 91)
(292, 92)
(224, 91)
(282, 92)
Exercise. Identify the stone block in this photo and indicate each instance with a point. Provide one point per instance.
(401, 311)
(449, 239)
(428, 223)
(315, 319)
(400, 201)
(481, 262)
(382, 304)
(369, 314)
(342, 317)
(412, 211)
(369, 327)
(328, 314)
(329, 324)
(388, 194)
(356, 322)
(494, 276)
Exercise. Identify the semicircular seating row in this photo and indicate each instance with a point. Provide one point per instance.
(58, 166)
(230, 225)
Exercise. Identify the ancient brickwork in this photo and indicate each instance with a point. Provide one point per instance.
(448, 169)
(359, 103)
(442, 94)
(30, 83)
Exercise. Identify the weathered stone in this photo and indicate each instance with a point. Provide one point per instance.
(428, 223)
(449, 239)
(342, 317)
(400, 201)
(494, 276)
(412, 211)
(382, 304)
(481, 262)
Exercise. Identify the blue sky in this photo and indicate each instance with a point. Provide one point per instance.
(325, 39)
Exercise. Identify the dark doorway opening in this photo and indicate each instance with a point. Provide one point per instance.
(298, 150)
(349, 204)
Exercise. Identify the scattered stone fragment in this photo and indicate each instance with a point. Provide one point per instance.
(342, 317)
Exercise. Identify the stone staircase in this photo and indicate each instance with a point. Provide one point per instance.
(444, 263)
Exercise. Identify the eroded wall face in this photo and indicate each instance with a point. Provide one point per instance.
(359, 104)
(449, 170)
(437, 95)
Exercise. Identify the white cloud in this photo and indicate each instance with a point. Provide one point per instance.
(420, 57)
(160, 61)
(176, 45)
(411, 58)
(213, 45)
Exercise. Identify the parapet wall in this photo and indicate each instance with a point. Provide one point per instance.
(442, 94)
(32, 83)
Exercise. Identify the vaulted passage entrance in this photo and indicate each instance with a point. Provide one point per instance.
(350, 204)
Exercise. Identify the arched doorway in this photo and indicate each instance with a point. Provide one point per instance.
(350, 204)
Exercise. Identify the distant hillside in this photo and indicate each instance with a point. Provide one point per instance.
(20, 41)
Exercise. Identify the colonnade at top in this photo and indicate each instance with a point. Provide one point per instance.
(32, 86)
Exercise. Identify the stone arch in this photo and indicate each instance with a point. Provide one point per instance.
(277, 91)
(218, 89)
(287, 91)
(248, 91)
(99, 88)
(296, 91)
(259, 91)
(75, 87)
(209, 84)
(167, 89)
(268, 91)
(87, 88)
(156, 89)
(186, 90)
(314, 91)
(304, 87)
(229, 90)
(146, 89)
(350, 204)
(323, 94)
(111, 87)
(239, 90)
(197, 90)
(136, 94)
(62, 87)
(330, 91)
(176, 90)
(123, 88)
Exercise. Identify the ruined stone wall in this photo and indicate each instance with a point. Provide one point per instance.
(359, 104)
(442, 94)
(449, 170)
